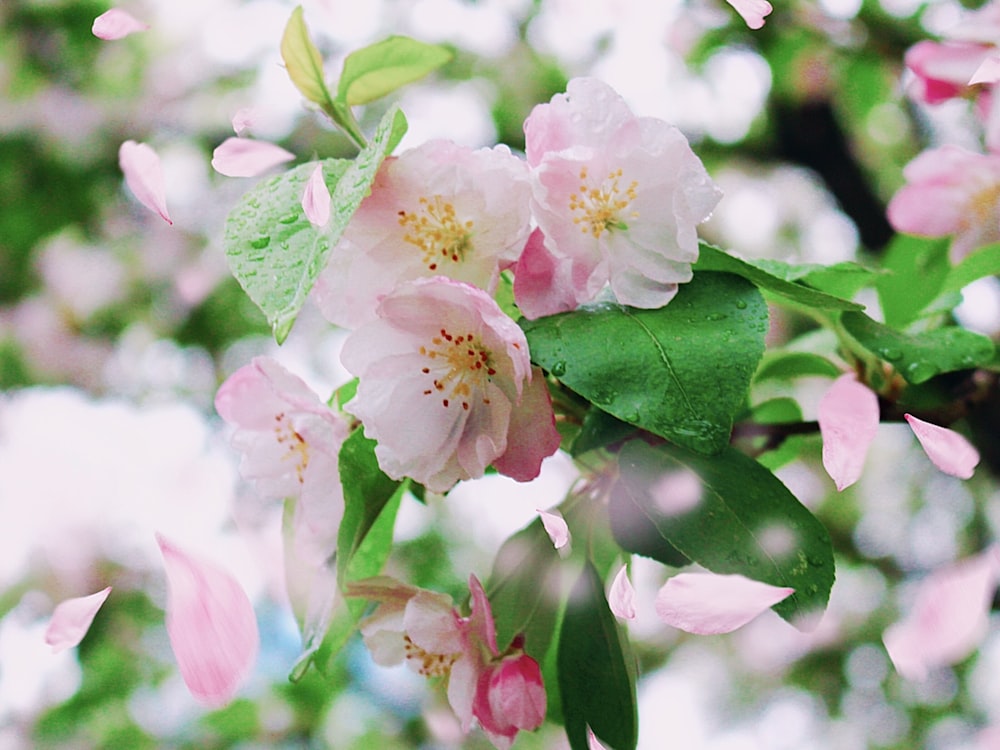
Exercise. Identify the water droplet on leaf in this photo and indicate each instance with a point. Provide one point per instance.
(289, 218)
(559, 369)
(890, 353)
(260, 242)
(741, 304)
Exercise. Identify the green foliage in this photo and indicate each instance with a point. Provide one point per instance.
(681, 371)
(303, 61)
(788, 365)
(379, 69)
(744, 520)
(916, 270)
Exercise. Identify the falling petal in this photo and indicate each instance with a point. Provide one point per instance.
(946, 449)
(316, 198)
(211, 626)
(144, 176)
(243, 157)
(243, 120)
(115, 24)
(555, 527)
(592, 742)
(987, 72)
(71, 620)
(708, 604)
(949, 617)
(752, 11)
(848, 421)
(621, 598)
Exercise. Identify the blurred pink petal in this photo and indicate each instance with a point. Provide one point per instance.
(946, 449)
(848, 421)
(592, 742)
(708, 604)
(987, 72)
(949, 617)
(144, 176)
(243, 120)
(115, 24)
(752, 11)
(211, 625)
(71, 620)
(555, 527)
(621, 598)
(243, 157)
(316, 198)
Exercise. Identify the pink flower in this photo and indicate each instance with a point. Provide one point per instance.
(943, 69)
(946, 449)
(72, 618)
(949, 616)
(504, 692)
(437, 210)
(211, 626)
(617, 198)
(290, 443)
(116, 24)
(244, 157)
(708, 604)
(144, 176)
(848, 421)
(950, 191)
(443, 379)
(752, 11)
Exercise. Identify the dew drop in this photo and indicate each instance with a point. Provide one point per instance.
(715, 316)
(260, 242)
(741, 304)
(559, 369)
(289, 218)
(890, 353)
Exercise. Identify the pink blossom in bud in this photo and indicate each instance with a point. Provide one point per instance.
(555, 526)
(947, 450)
(848, 420)
(443, 372)
(290, 442)
(437, 210)
(211, 626)
(618, 197)
(752, 11)
(949, 617)
(244, 157)
(72, 618)
(950, 191)
(708, 604)
(316, 198)
(510, 697)
(144, 176)
(116, 24)
(621, 597)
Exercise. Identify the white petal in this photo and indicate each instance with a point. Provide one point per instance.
(707, 604)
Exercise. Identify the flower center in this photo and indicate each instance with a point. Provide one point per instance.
(984, 204)
(428, 664)
(437, 232)
(598, 208)
(461, 366)
(295, 445)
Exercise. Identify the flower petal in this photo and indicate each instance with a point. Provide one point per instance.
(987, 72)
(243, 120)
(531, 435)
(71, 620)
(243, 157)
(116, 24)
(556, 528)
(752, 11)
(621, 597)
(707, 604)
(211, 625)
(946, 449)
(144, 176)
(316, 198)
(848, 421)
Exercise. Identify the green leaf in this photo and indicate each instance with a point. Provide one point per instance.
(983, 262)
(785, 365)
(598, 430)
(919, 357)
(917, 269)
(745, 520)
(302, 60)
(274, 251)
(681, 371)
(713, 259)
(596, 670)
(840, 279)
(636, 533)
(379, 69)
(780, 410)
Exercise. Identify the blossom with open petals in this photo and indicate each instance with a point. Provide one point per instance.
(617, 199)
(437, 210)
(421, 628)
(443, 376)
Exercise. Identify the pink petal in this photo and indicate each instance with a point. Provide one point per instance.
(71, 620)
(531, 435)
(144, 176)
(115, 24)
(243, 157)
(316, 198)
(946, 449)
(211, 625)
(555, 527)
(481, 621)
(621, 597)
(243, 120)
(516, 694)
(708, 604)
(949, 618)
(752, 11)
(987, 72)
(848, 421)
(592, 742)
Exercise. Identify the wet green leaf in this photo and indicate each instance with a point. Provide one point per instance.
(379, 69)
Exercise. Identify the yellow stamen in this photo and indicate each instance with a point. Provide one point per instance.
(602, 208)
(437, 232)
